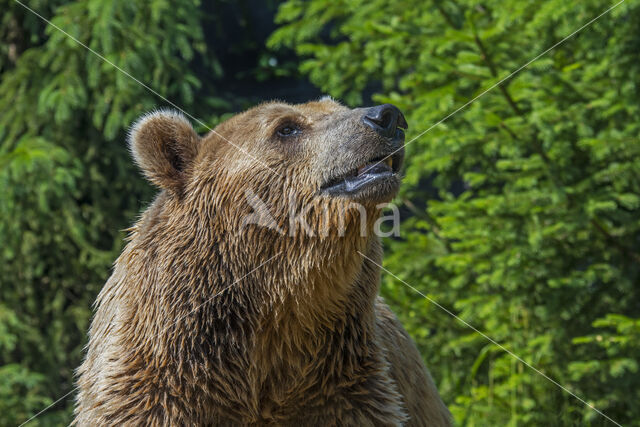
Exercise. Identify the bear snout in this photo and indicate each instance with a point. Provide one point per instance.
(386, 120)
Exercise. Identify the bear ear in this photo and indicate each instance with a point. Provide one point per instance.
(164, 145)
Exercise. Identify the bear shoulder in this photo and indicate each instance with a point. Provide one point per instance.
(414, 383)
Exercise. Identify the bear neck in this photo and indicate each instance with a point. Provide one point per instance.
(265, 307)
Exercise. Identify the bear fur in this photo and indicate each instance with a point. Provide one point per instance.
(210, 319)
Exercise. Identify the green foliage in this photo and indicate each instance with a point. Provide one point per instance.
(68, 187)
(526, 204)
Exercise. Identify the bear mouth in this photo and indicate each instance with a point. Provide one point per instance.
(378, 170)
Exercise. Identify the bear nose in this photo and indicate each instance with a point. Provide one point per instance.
(384, 119)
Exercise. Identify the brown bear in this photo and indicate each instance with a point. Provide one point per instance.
(210, 319)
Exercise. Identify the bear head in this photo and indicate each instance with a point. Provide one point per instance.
(305, 182)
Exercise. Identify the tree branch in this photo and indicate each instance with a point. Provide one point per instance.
(612, 240)
(435, 227)
(494, 72)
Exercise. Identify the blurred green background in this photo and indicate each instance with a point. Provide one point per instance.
(521, 212)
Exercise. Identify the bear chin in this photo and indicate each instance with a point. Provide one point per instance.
(376, 180)
(379, 188)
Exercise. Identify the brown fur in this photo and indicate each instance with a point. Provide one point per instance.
(198, 325)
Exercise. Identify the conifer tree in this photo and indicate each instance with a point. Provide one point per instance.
(525, 204)
(68, 186)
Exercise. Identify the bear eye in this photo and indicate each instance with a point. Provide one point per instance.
(288, 130)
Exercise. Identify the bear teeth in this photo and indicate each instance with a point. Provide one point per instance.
(359, 171)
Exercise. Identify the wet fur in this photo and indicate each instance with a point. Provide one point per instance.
(188, 331)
